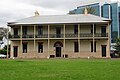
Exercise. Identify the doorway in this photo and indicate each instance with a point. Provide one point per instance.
(15, 49)
(103, 50)
(58, 51)
(58, 47)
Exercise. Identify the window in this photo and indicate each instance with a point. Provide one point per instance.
(15, 31)
(40, 47)
(40, 30)
(75, 29)
(58, 32)
(24, 30)
(94, 46)
(91, 46)
(92, 28)
(76, 47)
(24, 47)
(103, 29)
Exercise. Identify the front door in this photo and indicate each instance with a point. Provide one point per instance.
(103, 50)
(15, 49)
(58, 51)
(58, 32)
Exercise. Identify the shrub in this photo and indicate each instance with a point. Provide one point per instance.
(3, 52)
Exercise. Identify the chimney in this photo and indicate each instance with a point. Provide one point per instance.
(85, 11)
(37, 13)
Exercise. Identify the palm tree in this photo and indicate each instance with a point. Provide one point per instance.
(90, 10)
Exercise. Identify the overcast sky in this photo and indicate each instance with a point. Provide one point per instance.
(11, 10)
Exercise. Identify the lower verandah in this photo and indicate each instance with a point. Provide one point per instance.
(57, 48)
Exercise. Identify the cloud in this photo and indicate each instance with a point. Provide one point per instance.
(61, 4)
(11, 10)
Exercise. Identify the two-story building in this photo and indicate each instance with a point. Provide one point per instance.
(72, 36)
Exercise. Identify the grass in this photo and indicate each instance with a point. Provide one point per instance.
(60, 69)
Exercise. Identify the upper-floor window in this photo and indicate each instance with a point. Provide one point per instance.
(40, 30)
(103, 29)
(58, 32)
(75, 29)
(15, 31)
(92, 28)
(24, 30)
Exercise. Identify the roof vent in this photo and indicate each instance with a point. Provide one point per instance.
(85, 11)
(37, 13)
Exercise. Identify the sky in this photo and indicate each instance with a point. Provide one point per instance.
(11, 10)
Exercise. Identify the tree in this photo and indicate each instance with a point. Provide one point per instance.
(114, 36)
(4, 50)
(71, 13)
(90, 10)
(117, 46)
(3, 34)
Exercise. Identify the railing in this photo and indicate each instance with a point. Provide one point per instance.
(13, 36)
(56, 35)
(86, 35)
(42, 36)
(61, 35)
(71, 35)
(101, 35)
(28, 36)
(95, 35)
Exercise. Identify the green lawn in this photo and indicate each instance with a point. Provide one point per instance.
(60, 69)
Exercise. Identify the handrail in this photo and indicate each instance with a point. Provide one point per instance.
(61, 35)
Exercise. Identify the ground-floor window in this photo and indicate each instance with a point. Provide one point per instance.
(76, 47)
(40, 47)
(24, 47)
(103, 50)
(91, 46)
(94, 46)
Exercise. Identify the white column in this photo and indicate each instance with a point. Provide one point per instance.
(64, 40)
(34, 40)
(108, 50)
(21, 40)
(79, 36)
(48, 41)
(93, 38)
